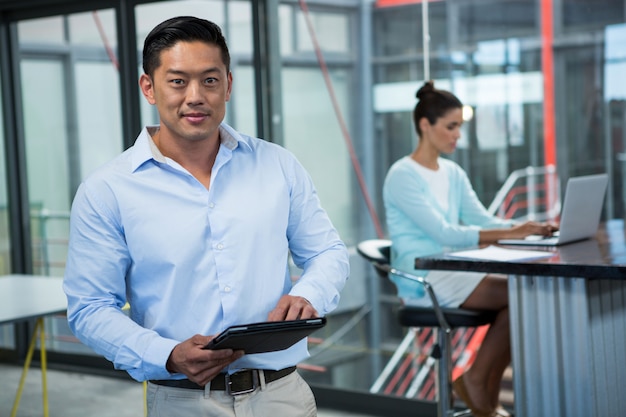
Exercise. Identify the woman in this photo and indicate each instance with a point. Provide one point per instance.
(431, 208)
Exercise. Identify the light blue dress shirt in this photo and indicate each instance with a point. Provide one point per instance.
(417, 224)
(194, 261)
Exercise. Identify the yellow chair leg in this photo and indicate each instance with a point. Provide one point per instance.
(145, 398)
(44, 366)
(39, 327)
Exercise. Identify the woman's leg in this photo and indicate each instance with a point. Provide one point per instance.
(484, 377)
(499, 364)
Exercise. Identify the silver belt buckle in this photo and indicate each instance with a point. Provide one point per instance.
(255, 383)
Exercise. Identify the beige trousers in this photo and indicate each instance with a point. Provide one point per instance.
(289, 396)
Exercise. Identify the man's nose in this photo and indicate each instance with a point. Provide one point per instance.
(194, 93)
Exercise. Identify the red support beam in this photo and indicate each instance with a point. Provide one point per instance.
(547, 66)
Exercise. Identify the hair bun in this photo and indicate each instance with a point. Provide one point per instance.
(428, 87)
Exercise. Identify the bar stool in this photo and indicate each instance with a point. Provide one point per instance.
(377, 252)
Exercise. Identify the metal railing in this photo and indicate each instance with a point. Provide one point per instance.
(49, 240)
(531, 193)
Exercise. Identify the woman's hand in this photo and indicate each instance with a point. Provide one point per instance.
(531, 228)
(519, 231)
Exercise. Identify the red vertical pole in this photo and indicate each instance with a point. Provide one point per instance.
(547, 67)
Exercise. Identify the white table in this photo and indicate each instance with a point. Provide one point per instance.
(26, 297)
(31, 297)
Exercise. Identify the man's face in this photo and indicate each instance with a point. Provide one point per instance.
(190, 90)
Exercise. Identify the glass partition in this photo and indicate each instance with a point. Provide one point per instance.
(72, 124)
(71, 129)
(5, 241)
(491, 54)
(313, 134)
(6, 331)
(47, 30)
(47, 160)
(614, 108)
(321, 93)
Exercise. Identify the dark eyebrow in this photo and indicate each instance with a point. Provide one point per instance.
(211, 70)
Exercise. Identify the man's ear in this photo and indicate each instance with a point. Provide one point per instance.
(147, 88)
(230, 85)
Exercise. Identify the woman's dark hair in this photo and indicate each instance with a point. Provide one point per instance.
(181, 29)
(433, 104)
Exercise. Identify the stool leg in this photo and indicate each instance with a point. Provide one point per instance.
(444, 374)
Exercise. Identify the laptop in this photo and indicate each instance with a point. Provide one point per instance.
(580, 213)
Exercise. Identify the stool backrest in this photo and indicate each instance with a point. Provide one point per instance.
(378, 253)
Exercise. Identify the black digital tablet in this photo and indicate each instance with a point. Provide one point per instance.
(268, 336)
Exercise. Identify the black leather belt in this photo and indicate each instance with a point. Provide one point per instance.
(241, 382)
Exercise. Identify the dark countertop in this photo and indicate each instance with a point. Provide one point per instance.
(602, 257)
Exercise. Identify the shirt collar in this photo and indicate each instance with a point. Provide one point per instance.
(145, 149)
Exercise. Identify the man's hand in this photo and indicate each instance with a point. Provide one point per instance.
(198, 364)
(292, 308)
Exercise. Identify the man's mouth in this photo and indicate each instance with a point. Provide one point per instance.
(195, 117)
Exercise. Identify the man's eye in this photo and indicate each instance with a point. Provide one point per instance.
(177, 82)
(210, 80)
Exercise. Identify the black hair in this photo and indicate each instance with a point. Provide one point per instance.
(433, 104)
(181, 29)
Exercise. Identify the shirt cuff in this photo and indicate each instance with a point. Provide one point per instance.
(155, 359)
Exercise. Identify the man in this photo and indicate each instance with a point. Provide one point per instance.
(193, 226)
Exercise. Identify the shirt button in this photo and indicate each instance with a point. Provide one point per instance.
(220, 246)
(227, 289)
(211, 205)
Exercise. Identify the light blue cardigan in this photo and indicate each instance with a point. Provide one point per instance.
(417, 224)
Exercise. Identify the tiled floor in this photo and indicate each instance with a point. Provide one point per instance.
(80, 395)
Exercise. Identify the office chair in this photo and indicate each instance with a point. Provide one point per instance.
(377, 252)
